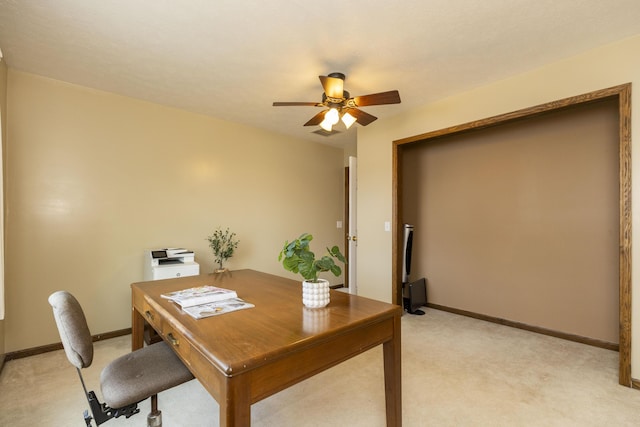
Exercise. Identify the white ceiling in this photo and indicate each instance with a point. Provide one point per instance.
(232, 58)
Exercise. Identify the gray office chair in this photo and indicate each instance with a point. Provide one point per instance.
(126, 381)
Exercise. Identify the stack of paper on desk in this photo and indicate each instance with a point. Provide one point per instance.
(206, 301)
(199, 295)
(215, 308)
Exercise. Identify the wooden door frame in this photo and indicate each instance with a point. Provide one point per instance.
(623, 95)
(346, 226)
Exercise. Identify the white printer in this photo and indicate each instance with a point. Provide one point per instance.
(169, 263)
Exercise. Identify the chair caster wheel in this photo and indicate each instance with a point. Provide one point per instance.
(154, 419)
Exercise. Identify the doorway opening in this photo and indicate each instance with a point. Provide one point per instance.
(619, 94)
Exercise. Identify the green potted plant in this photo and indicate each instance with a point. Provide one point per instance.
(223, 244)
(297, 257)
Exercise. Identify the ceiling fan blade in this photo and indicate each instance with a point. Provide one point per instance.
(296, 104)
(317, 119)
(333, 86)
(362, 117)
(391, 97)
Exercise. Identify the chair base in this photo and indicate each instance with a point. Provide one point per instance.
(102, 413)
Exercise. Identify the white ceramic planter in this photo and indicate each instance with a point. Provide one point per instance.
(315, 294)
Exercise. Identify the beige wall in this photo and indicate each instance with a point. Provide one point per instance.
(351, 149)
(596, 69)
(3, 129)
(94, 178)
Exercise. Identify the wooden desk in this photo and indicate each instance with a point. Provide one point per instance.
(248, 355)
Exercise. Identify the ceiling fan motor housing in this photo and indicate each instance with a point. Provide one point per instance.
(335, 102)
(337, 75)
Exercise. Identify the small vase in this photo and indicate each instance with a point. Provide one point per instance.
(315, 294)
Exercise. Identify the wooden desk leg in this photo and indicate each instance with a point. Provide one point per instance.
(137, 329)
(235, 407)
(393, 376)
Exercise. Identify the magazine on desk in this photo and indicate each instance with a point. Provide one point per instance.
(199, 295)
(215, 308)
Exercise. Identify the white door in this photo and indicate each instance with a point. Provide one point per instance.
(353, 229)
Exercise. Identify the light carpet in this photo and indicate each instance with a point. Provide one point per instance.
(456, 371)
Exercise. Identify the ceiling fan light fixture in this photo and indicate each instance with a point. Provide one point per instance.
(348, 119)
(326, 125)
(331, 118)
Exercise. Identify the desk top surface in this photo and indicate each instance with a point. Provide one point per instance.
(278, 324)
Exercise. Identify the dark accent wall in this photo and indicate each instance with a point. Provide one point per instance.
(520, 221)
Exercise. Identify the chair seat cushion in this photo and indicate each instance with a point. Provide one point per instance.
(140, 374)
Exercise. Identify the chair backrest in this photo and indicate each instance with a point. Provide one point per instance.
(73, 329)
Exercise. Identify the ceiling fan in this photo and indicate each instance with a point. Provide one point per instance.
(339, 105)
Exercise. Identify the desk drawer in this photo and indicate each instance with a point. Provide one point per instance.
(176, 340)
(151, 316)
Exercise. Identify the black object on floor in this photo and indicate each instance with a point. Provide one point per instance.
(415, 296)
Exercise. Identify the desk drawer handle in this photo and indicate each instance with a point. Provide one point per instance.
(173, 340)
(149, 315)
